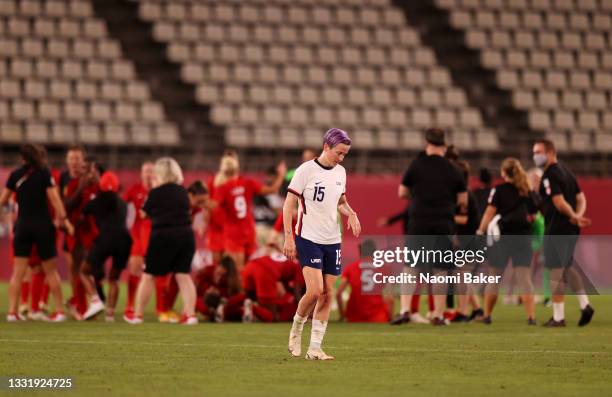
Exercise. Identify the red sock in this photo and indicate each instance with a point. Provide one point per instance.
(201, 307)
(80, 298)
(161, 283)
(171, 292)
(263, 314)
(133, 282)
(430, 302)
(44, 295)
(25, 292)
(38, 280)
(414, 303)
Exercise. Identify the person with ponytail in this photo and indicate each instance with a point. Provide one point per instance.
(34, 189)
(514, 205)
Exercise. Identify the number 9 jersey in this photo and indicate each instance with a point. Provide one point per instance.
(235, 197)
(319, 189)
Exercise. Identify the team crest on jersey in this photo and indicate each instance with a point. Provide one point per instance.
(238, 190)
(546, 183)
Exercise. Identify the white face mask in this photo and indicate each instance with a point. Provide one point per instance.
(540, 159)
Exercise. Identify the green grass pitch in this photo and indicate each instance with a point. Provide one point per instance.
(507, 358)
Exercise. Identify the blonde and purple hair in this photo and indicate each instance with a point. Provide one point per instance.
(335, 136)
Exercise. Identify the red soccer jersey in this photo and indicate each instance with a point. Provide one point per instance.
(215, 222)
(235, 197)
(137, 194)
(85, 226)
(206, 278)
(362, 307)
(262, 275)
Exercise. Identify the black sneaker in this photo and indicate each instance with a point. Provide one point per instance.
(531, 321)
(475, 314)
(586, 315)
(401, 319)
(552, 323)
(486, 320)
(460, 318)
(436, 321)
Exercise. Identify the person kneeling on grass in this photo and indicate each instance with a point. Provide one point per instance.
(113, 241)
(172, 242)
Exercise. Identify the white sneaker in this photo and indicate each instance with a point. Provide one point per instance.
(247, 311)
(416, 318)
(134, 320)
(56, 318)
(37, 316)
(189, 320)
(94, 308)
(295, 344)
(14, 317)
(318, 354)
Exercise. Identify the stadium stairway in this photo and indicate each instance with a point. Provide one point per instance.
(203, 141)
(495, 103)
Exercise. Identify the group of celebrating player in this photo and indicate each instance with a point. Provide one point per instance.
(149, 229)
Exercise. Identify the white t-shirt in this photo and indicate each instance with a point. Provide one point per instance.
(319, 189)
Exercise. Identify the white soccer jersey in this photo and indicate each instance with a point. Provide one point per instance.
(319, 189)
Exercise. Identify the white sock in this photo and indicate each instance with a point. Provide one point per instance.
(298, 324)
(583, 300)
(558, 311)
(317, 334)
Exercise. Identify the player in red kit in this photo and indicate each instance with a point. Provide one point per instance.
(275, 283)
(140, 232)
(235, 197)
(214, 234)
(78, 193)
(365, 304)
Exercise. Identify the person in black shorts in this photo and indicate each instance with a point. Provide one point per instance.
(113, 241)
(34, 189)
(436, 189)
(172, 242)
(516, 205)
(563, 206)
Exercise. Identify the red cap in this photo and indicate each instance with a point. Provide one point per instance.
(109, 182)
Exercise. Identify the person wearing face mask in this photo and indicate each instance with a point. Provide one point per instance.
(564, 206)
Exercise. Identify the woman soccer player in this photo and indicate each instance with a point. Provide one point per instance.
(320, 186)
(514, 202)
(33, 185)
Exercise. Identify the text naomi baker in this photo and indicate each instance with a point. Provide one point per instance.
(426, 278)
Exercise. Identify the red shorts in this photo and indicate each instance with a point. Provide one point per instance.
(140, 239)
(245, 245)
(214, 240)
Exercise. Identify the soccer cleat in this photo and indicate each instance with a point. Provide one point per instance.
(460, 318)
(56, 317)
(476, 313)
(173, 318)
(418, 319)
(188, 320)
(94, 308)
(586, 315)
(487, 320)
(531, 321)
(37, 316)
(133, 319)
(163, 317)
(552, 323)
(318, 354)
(128, 314)
(14, 317)
(401, 319)
(437, 321)
(247, 311)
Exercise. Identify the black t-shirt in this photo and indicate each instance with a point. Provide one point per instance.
(473, 218)
(31, 186)
(482, 197)
(507, 199)
(434, 183)
(109, 210)
(557, 179)
(168, 207)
